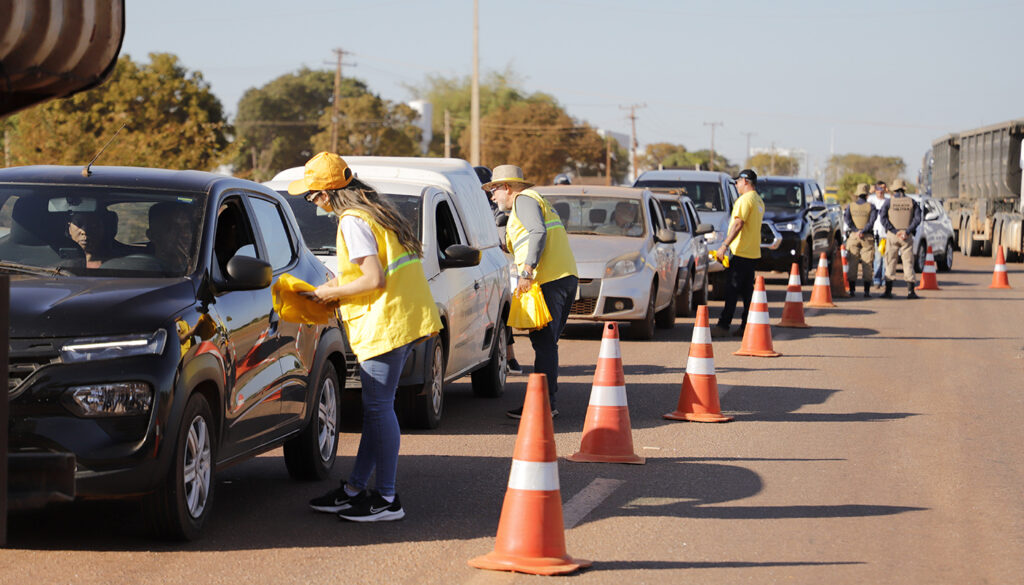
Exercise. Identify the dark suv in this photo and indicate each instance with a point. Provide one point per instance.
(807, 224)
(147, 354)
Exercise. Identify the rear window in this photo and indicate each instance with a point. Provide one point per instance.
(706, 196)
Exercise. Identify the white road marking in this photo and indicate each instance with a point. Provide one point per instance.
(590, 497)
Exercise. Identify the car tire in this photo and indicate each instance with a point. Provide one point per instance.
(684, 300)
(643, 329)
(311, 455)
(424, 404)
(944, 263)
(489, 381)
(178, 510)
(921, 257)
(666, 318)
(700, 295)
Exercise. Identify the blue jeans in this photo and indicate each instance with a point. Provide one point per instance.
(381, 438)
(558, 295)
(879, 266)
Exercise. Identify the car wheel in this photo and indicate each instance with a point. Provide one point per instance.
(699, 296)
(311, 455)
(425, 403)
(178, 510)
(489, 381)
(643, 329)
(922, 257)
(684, 300)
(945, 262)
(666, 318)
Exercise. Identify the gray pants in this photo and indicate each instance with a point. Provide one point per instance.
(904, 249)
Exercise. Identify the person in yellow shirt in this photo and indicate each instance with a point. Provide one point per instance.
(743, 245)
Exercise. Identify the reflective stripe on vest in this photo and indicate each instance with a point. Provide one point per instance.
(403, 311)
(859, 213)
(901, 211)
(556, 260)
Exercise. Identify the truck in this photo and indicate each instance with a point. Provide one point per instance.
(977, 175)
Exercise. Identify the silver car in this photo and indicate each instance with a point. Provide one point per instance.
(936, 230)
(625, 254)
(691, 250)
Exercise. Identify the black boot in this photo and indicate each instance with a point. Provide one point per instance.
(888, 290)
(853, 288)
(910, 291)
(867, 289)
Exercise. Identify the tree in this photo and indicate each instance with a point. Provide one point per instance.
(662, 155)
(885, 168)
(849, 183)
(774, 164)
(171, 120)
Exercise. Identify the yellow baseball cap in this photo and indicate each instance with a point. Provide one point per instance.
(323, 171)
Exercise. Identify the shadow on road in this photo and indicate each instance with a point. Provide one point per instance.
(822, 331)
(650, 565)
(780, 404)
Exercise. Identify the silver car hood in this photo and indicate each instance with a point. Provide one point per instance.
(593, 253)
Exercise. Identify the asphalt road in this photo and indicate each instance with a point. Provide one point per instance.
(884, 446)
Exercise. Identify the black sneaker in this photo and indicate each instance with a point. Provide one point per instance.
(333, 501)
(518, 413)
(373, 508)
(514, 367)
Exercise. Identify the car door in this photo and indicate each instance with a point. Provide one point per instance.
(698, 245)
(251, 407)
(666, 260)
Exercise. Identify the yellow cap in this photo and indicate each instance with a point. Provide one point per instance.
(323, 171)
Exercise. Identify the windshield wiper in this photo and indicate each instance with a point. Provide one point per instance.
(30, 269)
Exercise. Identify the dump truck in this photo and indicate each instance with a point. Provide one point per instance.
(977, 174)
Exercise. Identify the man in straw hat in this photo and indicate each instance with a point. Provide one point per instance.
(536, 238)
(901, 217)
(859, 217)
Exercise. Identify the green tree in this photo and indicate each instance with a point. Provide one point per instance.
(849, 182)
(662, 155)
(171, 119)
(885, 168)
(778, 165)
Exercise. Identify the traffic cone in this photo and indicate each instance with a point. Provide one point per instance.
(607, 434)
(793, 310)
(928, 281)
(757, 336)
(999, 278)
(821, 294)
(846, 272)
(531, 532)
(698, 400)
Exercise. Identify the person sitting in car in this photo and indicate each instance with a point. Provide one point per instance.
(624, 221)
(88, 230)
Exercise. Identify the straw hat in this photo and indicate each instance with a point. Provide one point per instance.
(506, 174)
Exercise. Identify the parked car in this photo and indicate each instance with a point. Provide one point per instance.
(808, 225)
(467, 271)
(146, 366)
(936, 231)
(691, 251)
(625, 256)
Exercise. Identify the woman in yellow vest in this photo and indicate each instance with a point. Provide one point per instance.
(386, 306)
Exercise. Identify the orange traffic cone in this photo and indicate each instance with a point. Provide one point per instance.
(698, 400)
(757, 336)
(846, 272)
(793, 310)
(999, 278)
(928, 281)
(531, 533)
(821, 294)
(607, 434)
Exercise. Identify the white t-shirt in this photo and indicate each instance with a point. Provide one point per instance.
(358, 238)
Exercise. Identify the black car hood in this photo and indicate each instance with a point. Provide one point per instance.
(777, 214)
(80, 307)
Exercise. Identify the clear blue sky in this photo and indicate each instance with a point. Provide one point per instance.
(881, 77)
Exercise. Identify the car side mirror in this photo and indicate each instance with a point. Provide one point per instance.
(247, 273)
(817, 206)
(459, 256)
(704, 228)
(665, 236)
(931, 216)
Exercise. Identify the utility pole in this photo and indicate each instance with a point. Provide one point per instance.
(771, 171)
(608, 160)
(746, 161)
(712, 124)
(474, 98)
(447, 134)
(633, 142)
(340, 53)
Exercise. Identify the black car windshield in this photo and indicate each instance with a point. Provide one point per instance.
(99, 231)
(781, 194)
(609, 216)
(706, 196)
(320, 228)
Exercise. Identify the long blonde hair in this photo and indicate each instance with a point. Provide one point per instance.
(358, 195)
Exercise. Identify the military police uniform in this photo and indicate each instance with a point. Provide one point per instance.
(860, 245)
(900, 214)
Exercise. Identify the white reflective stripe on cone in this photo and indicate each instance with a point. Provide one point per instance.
(794, 279)
(608, 396)
(794, 297)
(1000, 268)
(758, 317)
(821, 281)
(822, 263)
(700, 366)
(759, 296)
(533, 475)
(701, 335)
(929, 268)
(609, 349)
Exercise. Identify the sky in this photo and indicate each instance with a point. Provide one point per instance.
(873, 77)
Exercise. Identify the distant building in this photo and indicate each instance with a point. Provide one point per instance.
(424, 123)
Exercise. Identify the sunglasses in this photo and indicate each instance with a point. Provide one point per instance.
(313, 195)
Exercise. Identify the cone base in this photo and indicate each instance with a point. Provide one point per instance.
(998, 286)
(820, 305)
(786, 323)
(707, 417)
(923, 287)
(757, 352)
(531, 565)
(582, 457)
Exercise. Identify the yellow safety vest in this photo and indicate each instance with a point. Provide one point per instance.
(382, 320)
(556, 260)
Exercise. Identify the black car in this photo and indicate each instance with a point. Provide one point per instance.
(806, 223)
(147, 354)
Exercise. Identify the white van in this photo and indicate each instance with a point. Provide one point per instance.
(466, 269)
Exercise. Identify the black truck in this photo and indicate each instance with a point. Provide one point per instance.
(808, 225)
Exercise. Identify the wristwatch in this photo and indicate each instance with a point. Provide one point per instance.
(526, 274)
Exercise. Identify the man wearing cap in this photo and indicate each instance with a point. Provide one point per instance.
(743, 244)
(901, 217)
(536, 238)
(859, 217)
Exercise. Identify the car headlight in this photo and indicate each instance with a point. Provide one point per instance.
(790, 226)
(111, 399)
(623, 265)
(109, 348)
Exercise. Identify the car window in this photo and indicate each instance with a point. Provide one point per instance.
(733, 193)
(611, 216)
(447, 228)
(675, 215)
(705, 195)
(408, 207)
(781, 195)
(233, 235)
(656, 220)
(278, 242)
(694, 216)
(320, 228)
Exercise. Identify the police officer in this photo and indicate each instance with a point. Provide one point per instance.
(901, 217)
(537, 239)
(860, 245)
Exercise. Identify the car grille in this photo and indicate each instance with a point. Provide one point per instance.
(26, 356)
(583, 307)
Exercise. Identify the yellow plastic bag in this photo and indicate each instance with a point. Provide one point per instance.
(295, 308)
(528, 310)
(881, 246)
